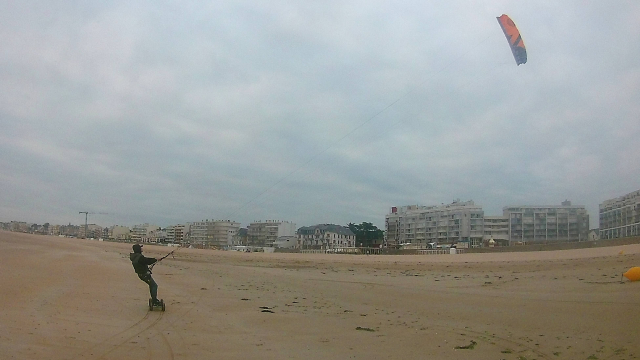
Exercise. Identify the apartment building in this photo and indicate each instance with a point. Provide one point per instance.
(442, 224)
(141, 233)
(541, 224)
(93, 231)
(176, 233)
(325, 236)
(70, 230)
(242, 237)
(19, 226)
(119, 233)
(155, 236)
(496, 228)
(213, 233)
(54, 230)
(265, 233)
(620, 217)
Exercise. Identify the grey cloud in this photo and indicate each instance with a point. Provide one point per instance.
(331, 112)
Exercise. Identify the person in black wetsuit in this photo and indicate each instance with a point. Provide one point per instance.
(141, 266)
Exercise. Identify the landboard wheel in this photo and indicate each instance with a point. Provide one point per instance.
(150, 305)
(162, 304)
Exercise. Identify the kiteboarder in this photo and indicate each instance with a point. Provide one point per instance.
(141, 266)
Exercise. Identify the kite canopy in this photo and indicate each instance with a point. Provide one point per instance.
(633, 274)
(514, 38)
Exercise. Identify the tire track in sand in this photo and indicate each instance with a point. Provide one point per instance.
(113, 342)
(129, 337)
(91, 347)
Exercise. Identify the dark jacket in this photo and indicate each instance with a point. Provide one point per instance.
(141, 263)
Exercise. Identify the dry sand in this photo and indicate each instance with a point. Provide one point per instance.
(80, 299)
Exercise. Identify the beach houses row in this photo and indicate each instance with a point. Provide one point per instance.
(227, 233)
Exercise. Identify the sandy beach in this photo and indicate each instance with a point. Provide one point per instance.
(80, 299)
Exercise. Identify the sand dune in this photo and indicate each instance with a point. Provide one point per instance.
(80, 299)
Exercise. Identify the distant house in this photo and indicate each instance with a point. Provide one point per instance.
(325, 236)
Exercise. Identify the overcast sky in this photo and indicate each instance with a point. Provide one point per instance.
(312, 112)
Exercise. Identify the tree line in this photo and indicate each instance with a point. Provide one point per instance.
(367, 234)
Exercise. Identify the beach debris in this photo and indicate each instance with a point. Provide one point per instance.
(364, 328)
(245, 299)
(633, 274)
(267, 311)
(468, 347)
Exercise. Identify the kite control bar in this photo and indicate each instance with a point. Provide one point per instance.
(162, 258)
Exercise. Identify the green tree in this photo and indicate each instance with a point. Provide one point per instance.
(366, 233)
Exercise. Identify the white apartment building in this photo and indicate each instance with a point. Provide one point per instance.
(119, 233)
(325, 236)
(155, 236)
(541, 224)
(454, 223)
(176, 233)
(141, 233)
(620, 217)
(216, 233)
(265, 233)
(496, 228)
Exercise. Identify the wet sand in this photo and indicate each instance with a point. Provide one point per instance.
(80, 299)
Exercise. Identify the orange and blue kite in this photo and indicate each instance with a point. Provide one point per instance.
(514, 38)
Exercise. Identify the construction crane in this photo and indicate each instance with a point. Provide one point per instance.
(86, 215)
